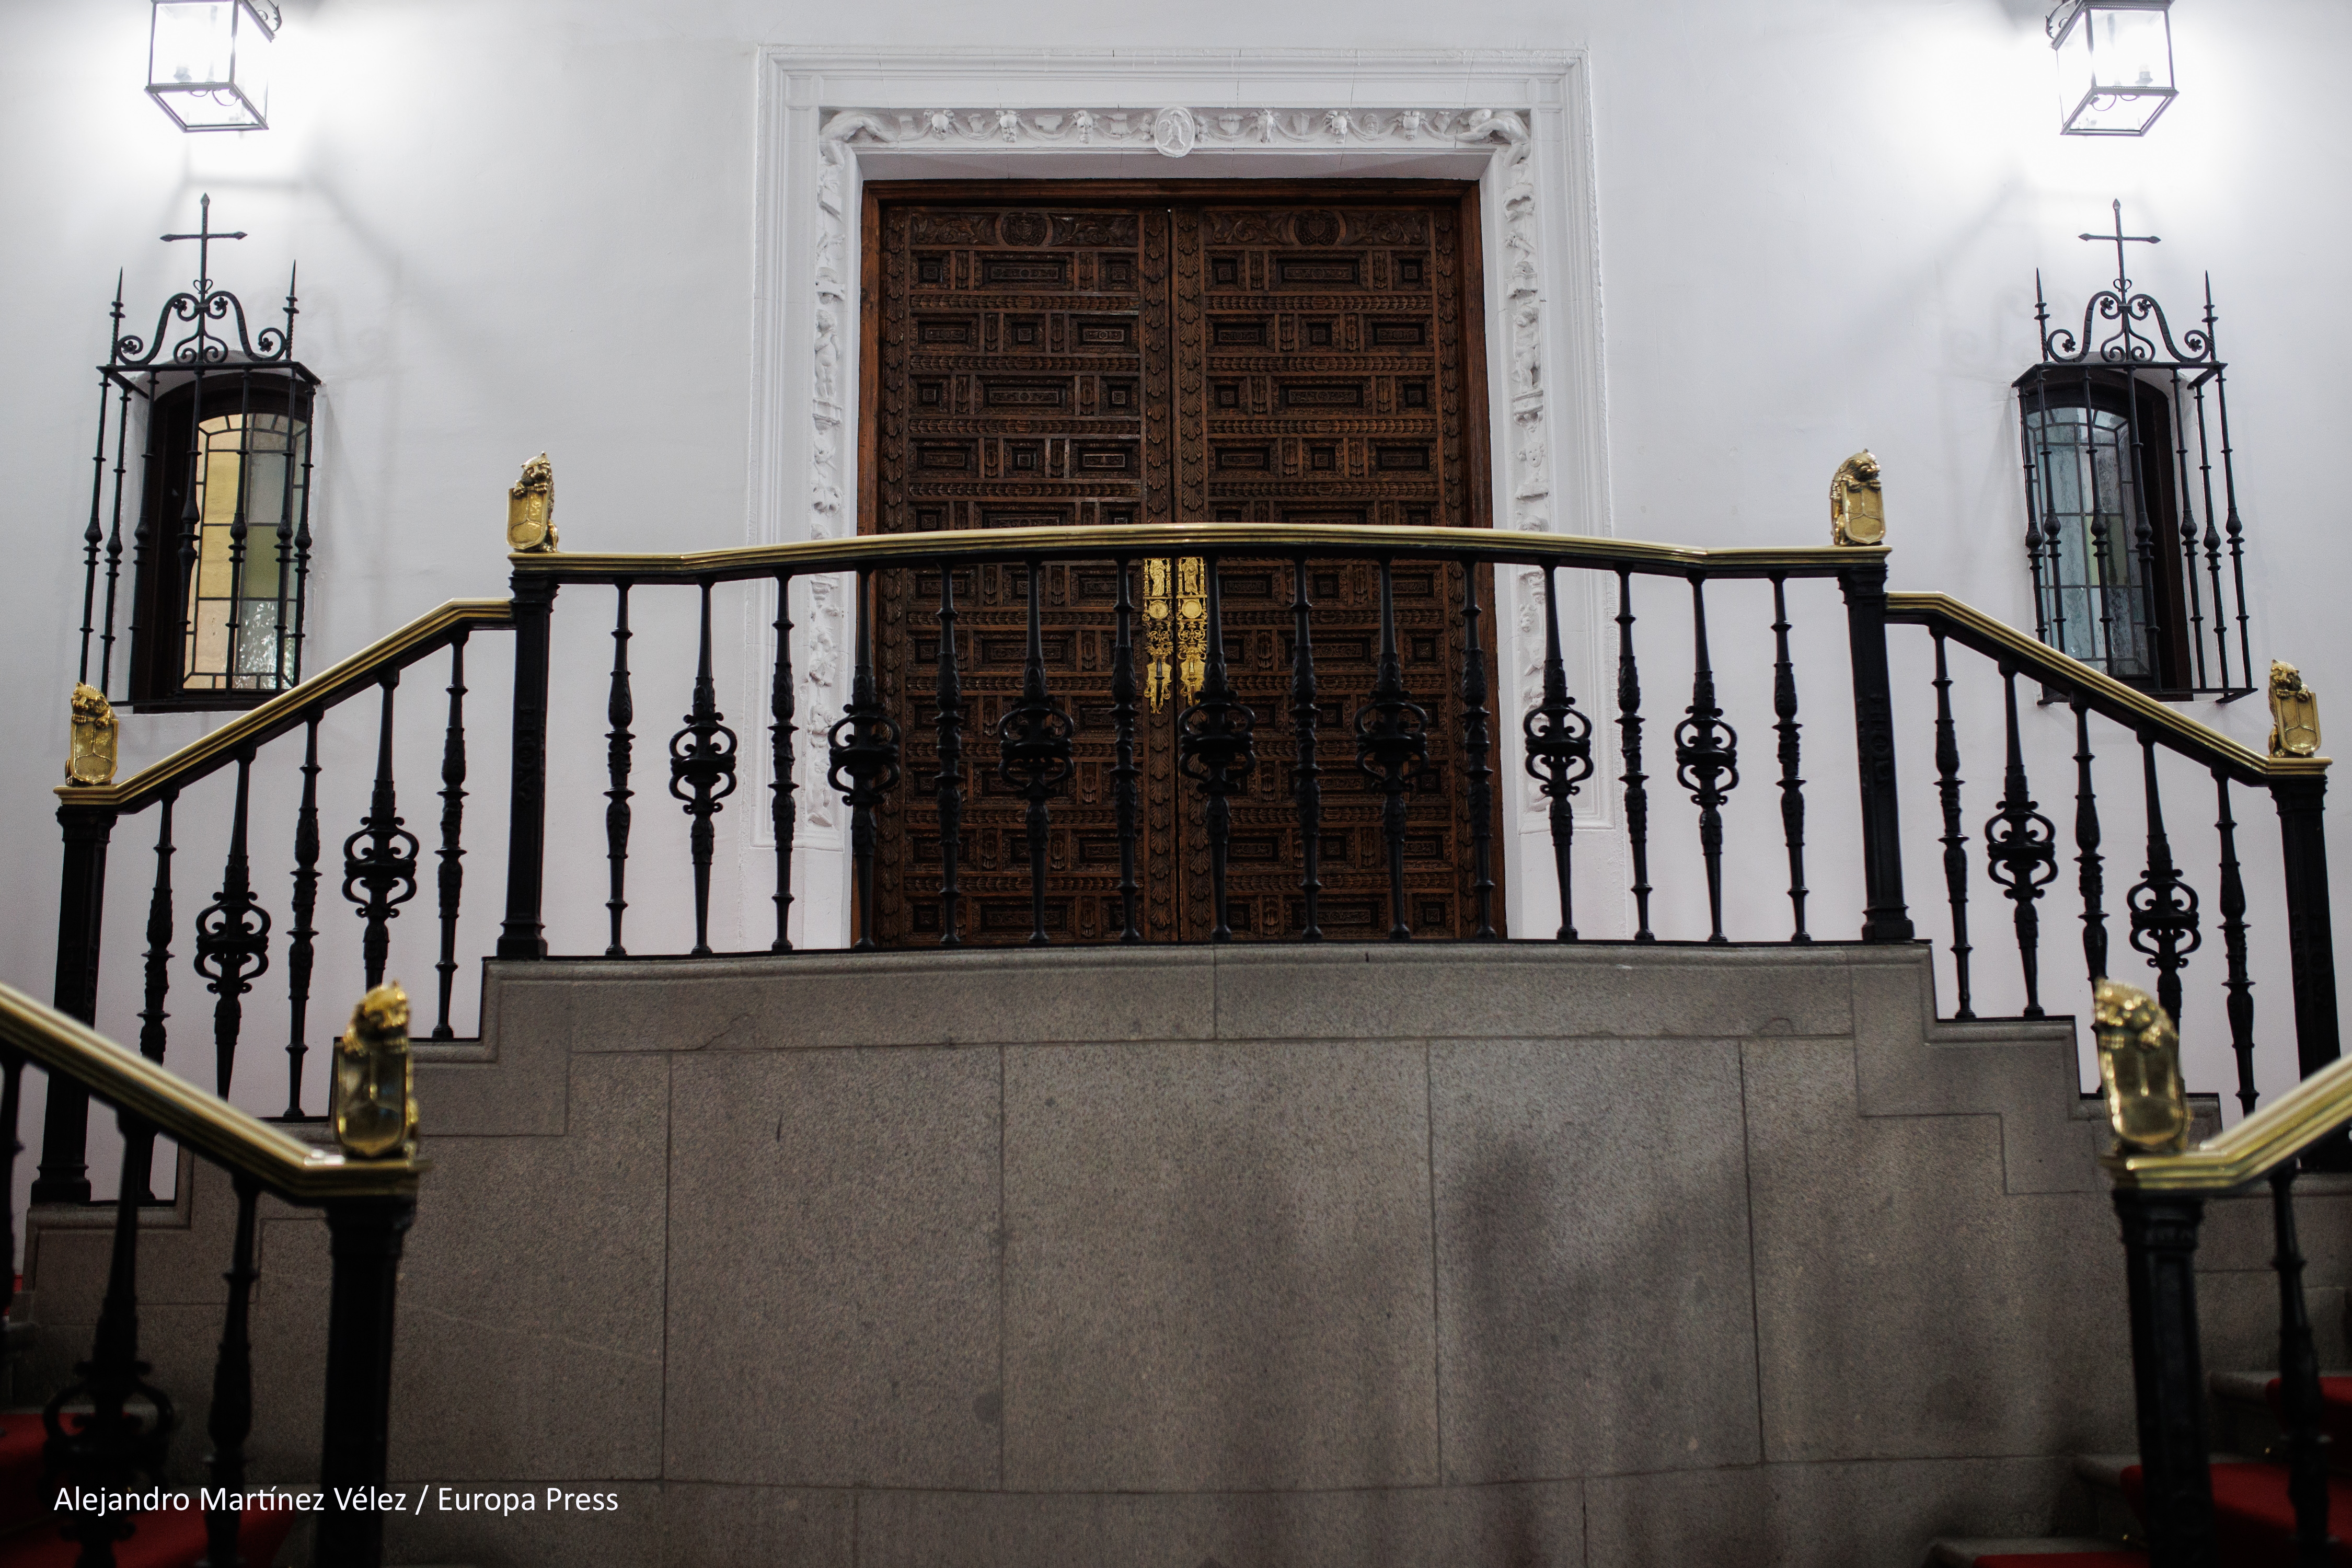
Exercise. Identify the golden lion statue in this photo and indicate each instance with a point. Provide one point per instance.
(1857, 506)
(375, 1079)
(2139, 1069)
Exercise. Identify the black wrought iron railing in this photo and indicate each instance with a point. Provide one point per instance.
(107, 1430)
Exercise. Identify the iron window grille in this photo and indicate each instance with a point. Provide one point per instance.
(2133, 536)
(204, 453)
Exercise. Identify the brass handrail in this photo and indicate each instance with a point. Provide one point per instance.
(867, 550)
(203, 1123)
(2101, 692)
(266, 722)
(2253, 1148)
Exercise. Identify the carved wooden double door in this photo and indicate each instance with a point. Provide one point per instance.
(1090, 355)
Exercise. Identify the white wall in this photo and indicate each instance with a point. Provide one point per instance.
(525, 226)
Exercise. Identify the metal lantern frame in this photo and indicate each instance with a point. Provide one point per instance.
(2085, 93)
(245, 90)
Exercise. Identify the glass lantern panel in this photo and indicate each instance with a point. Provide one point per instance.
(2130, 49)
(208, 65)
(246, 469)
(194, 44)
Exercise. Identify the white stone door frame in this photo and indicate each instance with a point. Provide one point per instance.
(1518, 122)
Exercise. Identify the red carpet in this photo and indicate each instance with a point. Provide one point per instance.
(168, 1538)
(2253, 1523)
(2334, 1416)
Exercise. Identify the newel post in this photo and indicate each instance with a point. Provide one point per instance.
(366, 1236)
(64, 1176)
(523, 936)
(1885, 918)
(2168, 1374)
(2301, 799)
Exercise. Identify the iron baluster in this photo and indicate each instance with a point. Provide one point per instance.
(452, 880)
(114, 543)
(1305, 772)
(522, 935)
(385, 869)
(159, 936)
(302, 552)
(301, 936)
(1706, 760)
(1391, 748)
(620, 713)
(2086, 849)
(2231, 523)
(1792, 787)
(1216, 749)
(1033, 741)
(2026, 446)
(1123, 771)
(1481, 790)
(702, 775)
(231, 1420)
(2163, 907)
(159, 944)
(146, 548)
(949, 689)
(2240, 989)
(784, 808)
(2159, 1234)
(122, 1440)
(864, 745)
(2302, 803)
(1956, 852)
(1629, 728)
(2020, 849)
(1559, 753)
(2299, 1394)
(2212, 537)
(232, 933)
(238, 531)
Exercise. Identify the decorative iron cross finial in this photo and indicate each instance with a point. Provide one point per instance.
(203, 237)
(2123, 284)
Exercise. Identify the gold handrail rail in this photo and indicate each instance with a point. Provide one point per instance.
(282, 713)
(866, 551)
(1971, 627)
(203, 1123)
(2253, 1148)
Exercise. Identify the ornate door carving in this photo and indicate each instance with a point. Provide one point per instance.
(1082, 354)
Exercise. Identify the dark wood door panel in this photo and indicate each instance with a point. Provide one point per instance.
(1064, 356)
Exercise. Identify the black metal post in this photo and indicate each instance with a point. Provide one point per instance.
(1123, 770)
(384, 868)
(1792, 787)
(366, 1239)
(2086, 849)
(2302, 802)
(1392, 749)
(1305, 772)
(2021, 849)
(151, 1016)
(2240, 989)
(64, 1178)
(1215, 749)
(1035, 751)
(948, 688)
(702, 775)
(232, 934)
(1559, 753)
(784, 806)
(2159, 1234)
(1474, 744)
(620, 713)
(1707, 759)
(1955, 851)
(232, 1413)
(2163, 905)
(451, 855)
(1628, 729)
(1885, 919)
(523, 935)
(2299, 1396)
(863, 745)
(301, 936)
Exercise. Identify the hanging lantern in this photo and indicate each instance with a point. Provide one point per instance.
(2115, 65)
(207, 62)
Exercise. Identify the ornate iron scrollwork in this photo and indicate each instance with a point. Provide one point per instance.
(2164, 916)
(2022, 851)
(1559, 753)
(1707, 761)
(864, 747)
(232, 934)
(1035, 748)
(701, 775)
(1216, 748)
(386, 866)
(1392, 749)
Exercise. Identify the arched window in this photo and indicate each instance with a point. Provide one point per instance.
(223, 542)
